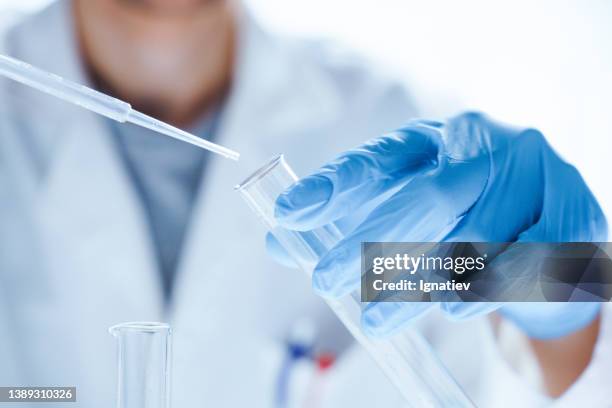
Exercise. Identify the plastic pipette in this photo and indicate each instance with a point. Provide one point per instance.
(98, 102)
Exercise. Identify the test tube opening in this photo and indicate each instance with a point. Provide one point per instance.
(260, 173)
(151, 327)
(144, 356)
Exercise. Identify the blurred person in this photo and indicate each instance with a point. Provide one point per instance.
(104, 223)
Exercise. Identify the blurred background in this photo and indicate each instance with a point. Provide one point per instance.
(545, 64)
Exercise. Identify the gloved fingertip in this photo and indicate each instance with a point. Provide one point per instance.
(327, 291)
(458, 311)
(302, 200)
(419, 123)
(372, 325)
(324, 285)
(278, 253)
(320, 282)
(375, 332)
(322, 291)
(332, 277)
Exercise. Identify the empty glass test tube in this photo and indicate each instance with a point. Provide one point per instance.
(144, 359)
(406, 358)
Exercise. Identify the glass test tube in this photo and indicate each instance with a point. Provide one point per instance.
(144, 358)
(406, 358)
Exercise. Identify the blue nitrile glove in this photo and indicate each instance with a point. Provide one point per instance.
(469, 179)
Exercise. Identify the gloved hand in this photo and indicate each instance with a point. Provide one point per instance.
(470, 179)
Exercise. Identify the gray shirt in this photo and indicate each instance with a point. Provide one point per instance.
(166, 174)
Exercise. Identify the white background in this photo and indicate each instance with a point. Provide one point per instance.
(546, 64)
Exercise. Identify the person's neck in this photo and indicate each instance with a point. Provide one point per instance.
(172, 70)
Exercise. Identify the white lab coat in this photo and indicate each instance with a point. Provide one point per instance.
(76, 256)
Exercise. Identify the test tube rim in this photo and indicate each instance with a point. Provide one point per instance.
(261, 172)
(150, 327)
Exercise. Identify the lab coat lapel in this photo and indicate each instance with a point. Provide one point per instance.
(95, 226)
(94, 229)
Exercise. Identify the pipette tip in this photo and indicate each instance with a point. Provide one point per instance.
(148, 122)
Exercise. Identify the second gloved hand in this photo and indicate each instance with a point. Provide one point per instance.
(469, 179)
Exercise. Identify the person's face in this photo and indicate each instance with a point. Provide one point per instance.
(164, 7)
(172, 53)
(159, 32)
(156, 21)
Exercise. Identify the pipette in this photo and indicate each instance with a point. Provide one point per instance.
(98, 102)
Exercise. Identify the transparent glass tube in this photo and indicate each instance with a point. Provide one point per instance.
(144, 358)
(406, 358)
